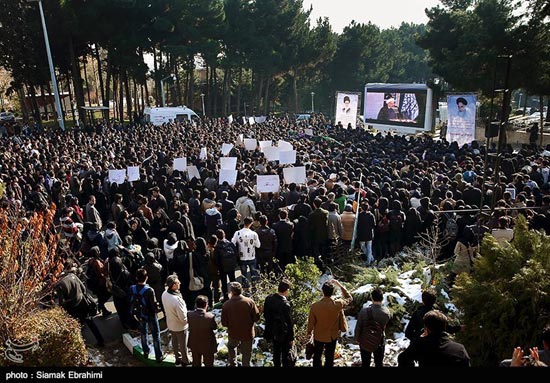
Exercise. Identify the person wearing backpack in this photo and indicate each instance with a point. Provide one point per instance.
(144, 307)
(225, 255)
(369, 330)
(279, 327)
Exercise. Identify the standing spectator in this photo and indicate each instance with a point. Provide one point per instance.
(284, 232)
(268, 246)
(348, 223)
(434, 348)
(374, 313)
(176, 319)
(143, 297)
(325, 322)
(318, 232)
(247, 241)
(366, 224)
(279, 328)
(154, 274)
(226, 257)
(239, 315)
(69, 293)
(92, 214)
(202, 339)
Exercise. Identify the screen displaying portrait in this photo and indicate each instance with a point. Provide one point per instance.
(346, 109)
(402, 107)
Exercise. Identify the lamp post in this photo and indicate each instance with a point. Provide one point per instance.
(202, 100)
(312, 104)
(60, 119)
(162, 88)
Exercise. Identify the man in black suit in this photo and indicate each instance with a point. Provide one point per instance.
(434, 348)
(279, 327)
(284, 230)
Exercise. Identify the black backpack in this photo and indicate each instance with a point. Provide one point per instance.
(228, 256)
(138, 306)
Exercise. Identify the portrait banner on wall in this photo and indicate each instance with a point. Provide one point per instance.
(461, 125)
(346, 108)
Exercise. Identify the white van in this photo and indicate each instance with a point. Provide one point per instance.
(159, 116)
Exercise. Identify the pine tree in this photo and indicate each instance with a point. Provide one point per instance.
(506, 299)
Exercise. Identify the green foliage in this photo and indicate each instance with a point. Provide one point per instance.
(515, 281)
(59, 339)
(303, 276)
(2, 189)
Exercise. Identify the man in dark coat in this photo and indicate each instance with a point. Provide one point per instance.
(365, 232)
(318, 232)
(239, 314)
(284, 230)
(268, 246)
(434, 348)
(202, 339)
(279, 328)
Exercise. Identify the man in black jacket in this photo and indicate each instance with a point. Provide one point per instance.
(284, 232)
(279, 327)
(434, 348)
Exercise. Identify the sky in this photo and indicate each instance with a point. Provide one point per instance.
(383, 13)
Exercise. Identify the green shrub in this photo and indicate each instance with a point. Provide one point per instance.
(505, 301)
(60, 342)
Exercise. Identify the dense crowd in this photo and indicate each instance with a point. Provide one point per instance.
(165, 224)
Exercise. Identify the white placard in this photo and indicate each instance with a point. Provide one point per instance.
(265, 144)
(546, 153)
(296, 175)
(244, 120)
(251, 121)
(250, 143)
(133, 173)
(203, 154)
(180, 164)
(228, 163)
(271, 153)
(260, 119)
(228, 175)
(117, 176)
(230, 119)
(226, 148)
(308, 132)
(192, 171)
(512, 192)
(284, 146)
(240, 139)
(266, 184)
(287, 157)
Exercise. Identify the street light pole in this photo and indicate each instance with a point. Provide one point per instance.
(60, 119)
(202, 100)
(163, 97)
(312, 104)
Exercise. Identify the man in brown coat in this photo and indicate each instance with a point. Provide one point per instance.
(238, 315)
(202, 339)
(326, 322)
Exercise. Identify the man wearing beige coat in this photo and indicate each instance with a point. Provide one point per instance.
(202, 339)
(326, 322)
(238, 315)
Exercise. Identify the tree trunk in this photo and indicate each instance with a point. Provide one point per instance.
(156, 77)
(214, 92)
(266, 99)
(239, 88)
(71, 99)
(191, 88)
(259, 94)
(208, 72)
(115, 96)
(128, 95)
(99, 74)
(36, 110)
(146, 93)
(121, 95)
(178, 84)
(107, 99)
(22, 103)
(86, 80)
(547, 110)
(77, 82)
(541, 107)
(295, 92)
(44, 102)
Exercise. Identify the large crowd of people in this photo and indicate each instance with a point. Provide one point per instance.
(165, 223)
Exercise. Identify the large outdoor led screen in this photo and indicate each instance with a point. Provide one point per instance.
(402, 107)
